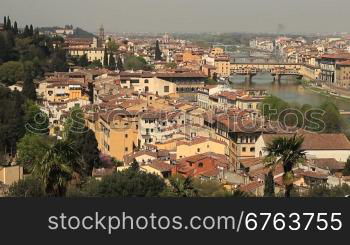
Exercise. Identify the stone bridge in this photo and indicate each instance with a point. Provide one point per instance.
(277, 70)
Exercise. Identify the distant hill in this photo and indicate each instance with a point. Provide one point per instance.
(78, 32)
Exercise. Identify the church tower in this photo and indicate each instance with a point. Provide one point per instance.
(101, 36)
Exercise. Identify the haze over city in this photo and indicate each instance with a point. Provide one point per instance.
(286, 16)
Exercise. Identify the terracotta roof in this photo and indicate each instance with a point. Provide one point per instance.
(199, 140)
(249, 162)
(313, 141)
(328, 163)
(161, 166)
(315, 175)
(336, 56)
(251, 186)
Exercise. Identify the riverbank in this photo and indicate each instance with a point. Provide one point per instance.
(338, 94)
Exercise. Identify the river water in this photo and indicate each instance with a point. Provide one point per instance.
(289, 90)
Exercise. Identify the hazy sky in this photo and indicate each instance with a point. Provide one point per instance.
(184, 15)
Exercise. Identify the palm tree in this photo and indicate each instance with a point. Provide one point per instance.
(57, 167)
(286, 151)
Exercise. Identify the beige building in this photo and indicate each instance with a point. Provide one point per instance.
(343, 74)
(10, 175)
(92, 54)
(147, 82)
(116, 132)
(60, 90)
(223, 66)
(216, 51)
(199, 145)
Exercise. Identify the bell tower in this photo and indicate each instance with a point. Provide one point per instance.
(101, 36)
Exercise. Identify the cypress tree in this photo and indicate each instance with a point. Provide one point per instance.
(120, 64)
(15, 28)
(135, 166)
(5, 25)
(28, 86)
(269, 190)
(26, 31)
(8, 24)
(112, 63)
(31, 30)
(105, 58)
(158, 53)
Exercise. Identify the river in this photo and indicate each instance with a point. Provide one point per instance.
(289, 90)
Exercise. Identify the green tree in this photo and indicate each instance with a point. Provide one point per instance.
(74, 125)
(136, 63)
(346, 171)
(57, 168)
(105, 58)
(31, 149)
(158, 53)
(15, 28)
(96, 64)
(83, 139)
(58, 61)
(35, 121)
(5, 25)
(269, 190)
(120, 66)
(29, 87)
(31, 30)
(112, 64)
(11, 72)
(8, 24)
(171, 65)
(288, 152)
(210, 188)
(327, 191)
(26, 32)
(28, 187)
(332, 118)
(182, 187)
(135, 166)
(11, 120)
(83, 61)
(112, 46)
(86, 144)
(130, 183)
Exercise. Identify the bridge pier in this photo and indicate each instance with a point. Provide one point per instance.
(277, 77)
(249, 77)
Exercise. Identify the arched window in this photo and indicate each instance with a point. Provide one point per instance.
(146, 89)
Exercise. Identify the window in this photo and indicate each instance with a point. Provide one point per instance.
(134, 81)
(166, 89)
(126, 135)
(252, 149)
(244, 149)
(200, 165)
(126, 149)
(198, 150)
(146, 81)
